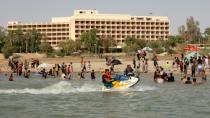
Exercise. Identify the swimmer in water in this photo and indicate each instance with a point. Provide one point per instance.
(11, 77)
(195, 82)
(188, 81)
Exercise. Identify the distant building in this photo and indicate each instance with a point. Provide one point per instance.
(116, 26)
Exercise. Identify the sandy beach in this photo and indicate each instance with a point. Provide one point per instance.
(96, 63)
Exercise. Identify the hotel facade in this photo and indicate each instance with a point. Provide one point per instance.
(115, 26)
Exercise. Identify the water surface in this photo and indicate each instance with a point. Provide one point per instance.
(53, 98)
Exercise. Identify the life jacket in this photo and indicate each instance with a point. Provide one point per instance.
(104, 76)
(109, 76)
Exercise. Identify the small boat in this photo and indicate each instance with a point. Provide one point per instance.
(122, 82)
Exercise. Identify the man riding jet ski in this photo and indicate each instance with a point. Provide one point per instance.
(118, 82)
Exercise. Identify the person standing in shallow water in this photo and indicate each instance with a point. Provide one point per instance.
(171, 78)
(57, 68)
(82, 74)
(44, 74)
(203, 75)
(193, 69)
(155, 61)
(137, 72)
(134, 63)
(93, 77)
(26, 73)
(89, 66)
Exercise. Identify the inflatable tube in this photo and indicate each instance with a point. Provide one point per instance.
(159, 80)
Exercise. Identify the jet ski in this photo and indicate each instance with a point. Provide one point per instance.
(122, 82)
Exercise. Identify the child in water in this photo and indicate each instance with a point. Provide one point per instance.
(93, 77)
(203, 75)
(78, 76)
(11, 77)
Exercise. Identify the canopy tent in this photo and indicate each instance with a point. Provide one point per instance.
(192, 48)
(192, 54)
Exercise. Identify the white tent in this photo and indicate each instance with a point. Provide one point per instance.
(45, 66)
(147, 49)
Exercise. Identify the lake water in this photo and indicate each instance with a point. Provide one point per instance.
(38, 98)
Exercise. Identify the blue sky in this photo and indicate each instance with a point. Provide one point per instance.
(42, 10)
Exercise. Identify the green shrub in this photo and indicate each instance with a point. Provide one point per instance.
(159, 50)
(7, 50)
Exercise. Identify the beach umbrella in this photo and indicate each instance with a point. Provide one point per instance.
(148, 49)
(45, 66)
(116, 62)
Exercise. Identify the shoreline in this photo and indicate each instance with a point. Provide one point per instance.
(97, 64)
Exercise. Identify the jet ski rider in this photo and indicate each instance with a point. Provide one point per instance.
(106, 79)
(129, 71)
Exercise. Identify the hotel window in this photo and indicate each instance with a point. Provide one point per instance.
(113, 27)
(148, 19)
(148, 23)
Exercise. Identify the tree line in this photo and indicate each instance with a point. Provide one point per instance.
(187, 34)
(18, 42)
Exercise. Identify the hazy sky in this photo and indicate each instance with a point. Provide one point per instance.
(42, 10)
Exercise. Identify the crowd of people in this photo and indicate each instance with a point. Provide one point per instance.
(21, 68)
(165, 75)
(191, 69)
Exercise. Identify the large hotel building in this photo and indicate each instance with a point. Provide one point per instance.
(116, 26)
